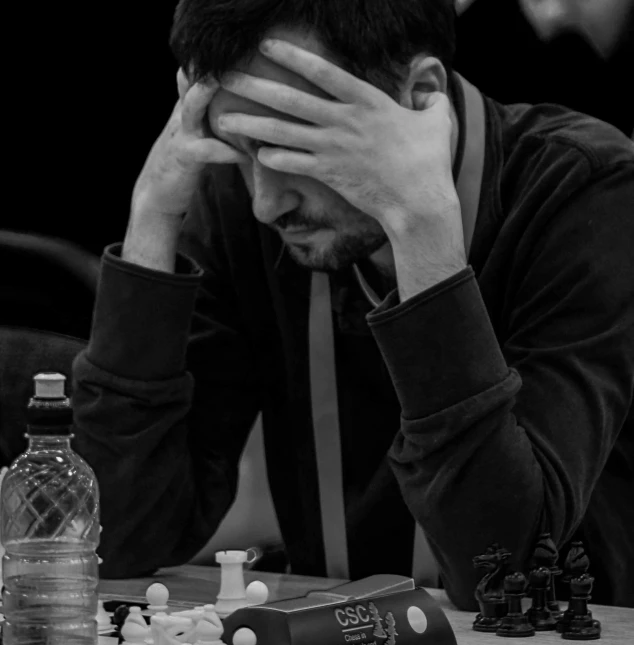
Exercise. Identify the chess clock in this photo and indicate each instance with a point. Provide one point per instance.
(381, 610)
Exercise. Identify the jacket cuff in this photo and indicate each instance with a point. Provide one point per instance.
(439, 346)
(142, 317)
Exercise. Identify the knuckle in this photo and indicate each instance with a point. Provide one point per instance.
(276, 130)
(290, 102)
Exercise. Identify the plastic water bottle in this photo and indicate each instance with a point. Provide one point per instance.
(49, 526)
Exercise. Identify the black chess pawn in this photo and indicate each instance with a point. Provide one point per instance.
(490, 591)
(579, 625)
(546, 555)
(515, 623)
(576, 565)
(539, 613)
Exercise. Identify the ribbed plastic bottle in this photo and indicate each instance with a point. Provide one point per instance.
(49, 526)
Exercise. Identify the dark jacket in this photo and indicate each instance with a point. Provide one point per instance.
(493, 406)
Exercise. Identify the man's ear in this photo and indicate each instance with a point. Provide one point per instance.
(426, 75)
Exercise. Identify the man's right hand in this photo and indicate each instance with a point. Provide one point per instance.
(168, 180)
(164, 190)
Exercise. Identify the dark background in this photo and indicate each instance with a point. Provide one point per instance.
(99, 86)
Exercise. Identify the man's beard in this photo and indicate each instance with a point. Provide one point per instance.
(344, 251)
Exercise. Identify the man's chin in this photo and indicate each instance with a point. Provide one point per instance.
(317, 259)
(328, 253)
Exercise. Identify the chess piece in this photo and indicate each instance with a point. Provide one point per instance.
(490, 592)
(103, 619)
(580, 626)
(515, 623)
(133, 632)
(169, 630)
(210, 614)
(232, 593)
(194, 616)
(135, 616)
(539, 613)
(120, 615)
(244, 636)
(546, 555)
(257, 593)
(576, 565)
(577, 562)
(157, 596)
(209, 633)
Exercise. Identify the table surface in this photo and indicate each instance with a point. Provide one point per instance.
(195, 585)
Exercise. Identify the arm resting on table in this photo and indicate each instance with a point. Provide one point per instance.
(505, 434)
(164, 400)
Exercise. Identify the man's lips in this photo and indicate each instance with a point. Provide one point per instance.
(299, 232)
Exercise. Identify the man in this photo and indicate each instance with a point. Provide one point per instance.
(428, 295)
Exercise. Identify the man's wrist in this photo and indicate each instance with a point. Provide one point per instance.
(414, 277)
(427, 251)
(151, 239)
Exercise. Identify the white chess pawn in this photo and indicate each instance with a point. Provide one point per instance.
(157, 596)
(257, 593)
(244, 636)
(135, 616)
(103, 619)
(208, 633)
(232, 593)
(133, 633)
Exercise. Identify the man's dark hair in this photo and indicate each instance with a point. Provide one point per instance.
(373, 39)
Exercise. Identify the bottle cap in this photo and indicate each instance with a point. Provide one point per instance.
(49, 385)
(49, 411)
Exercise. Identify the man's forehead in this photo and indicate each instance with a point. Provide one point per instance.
(262, 67)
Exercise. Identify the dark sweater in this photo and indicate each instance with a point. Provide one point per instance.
(494, 406)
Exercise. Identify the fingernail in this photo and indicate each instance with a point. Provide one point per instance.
(267, 45)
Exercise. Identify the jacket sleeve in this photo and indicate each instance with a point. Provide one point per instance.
(164, 399)
(503, 436)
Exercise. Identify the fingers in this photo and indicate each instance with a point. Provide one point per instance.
(195, 104)
(330, 78)
(182, 83)
(437, 99)
(281, 97)
(274, 131)
(289, 161)
(215, 151)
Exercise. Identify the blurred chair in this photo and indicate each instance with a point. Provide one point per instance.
(46, 283)
(47, 292)
(23, 353)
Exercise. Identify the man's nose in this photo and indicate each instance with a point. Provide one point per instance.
(271, 195)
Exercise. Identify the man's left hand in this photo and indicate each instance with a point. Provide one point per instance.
(391, 162)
